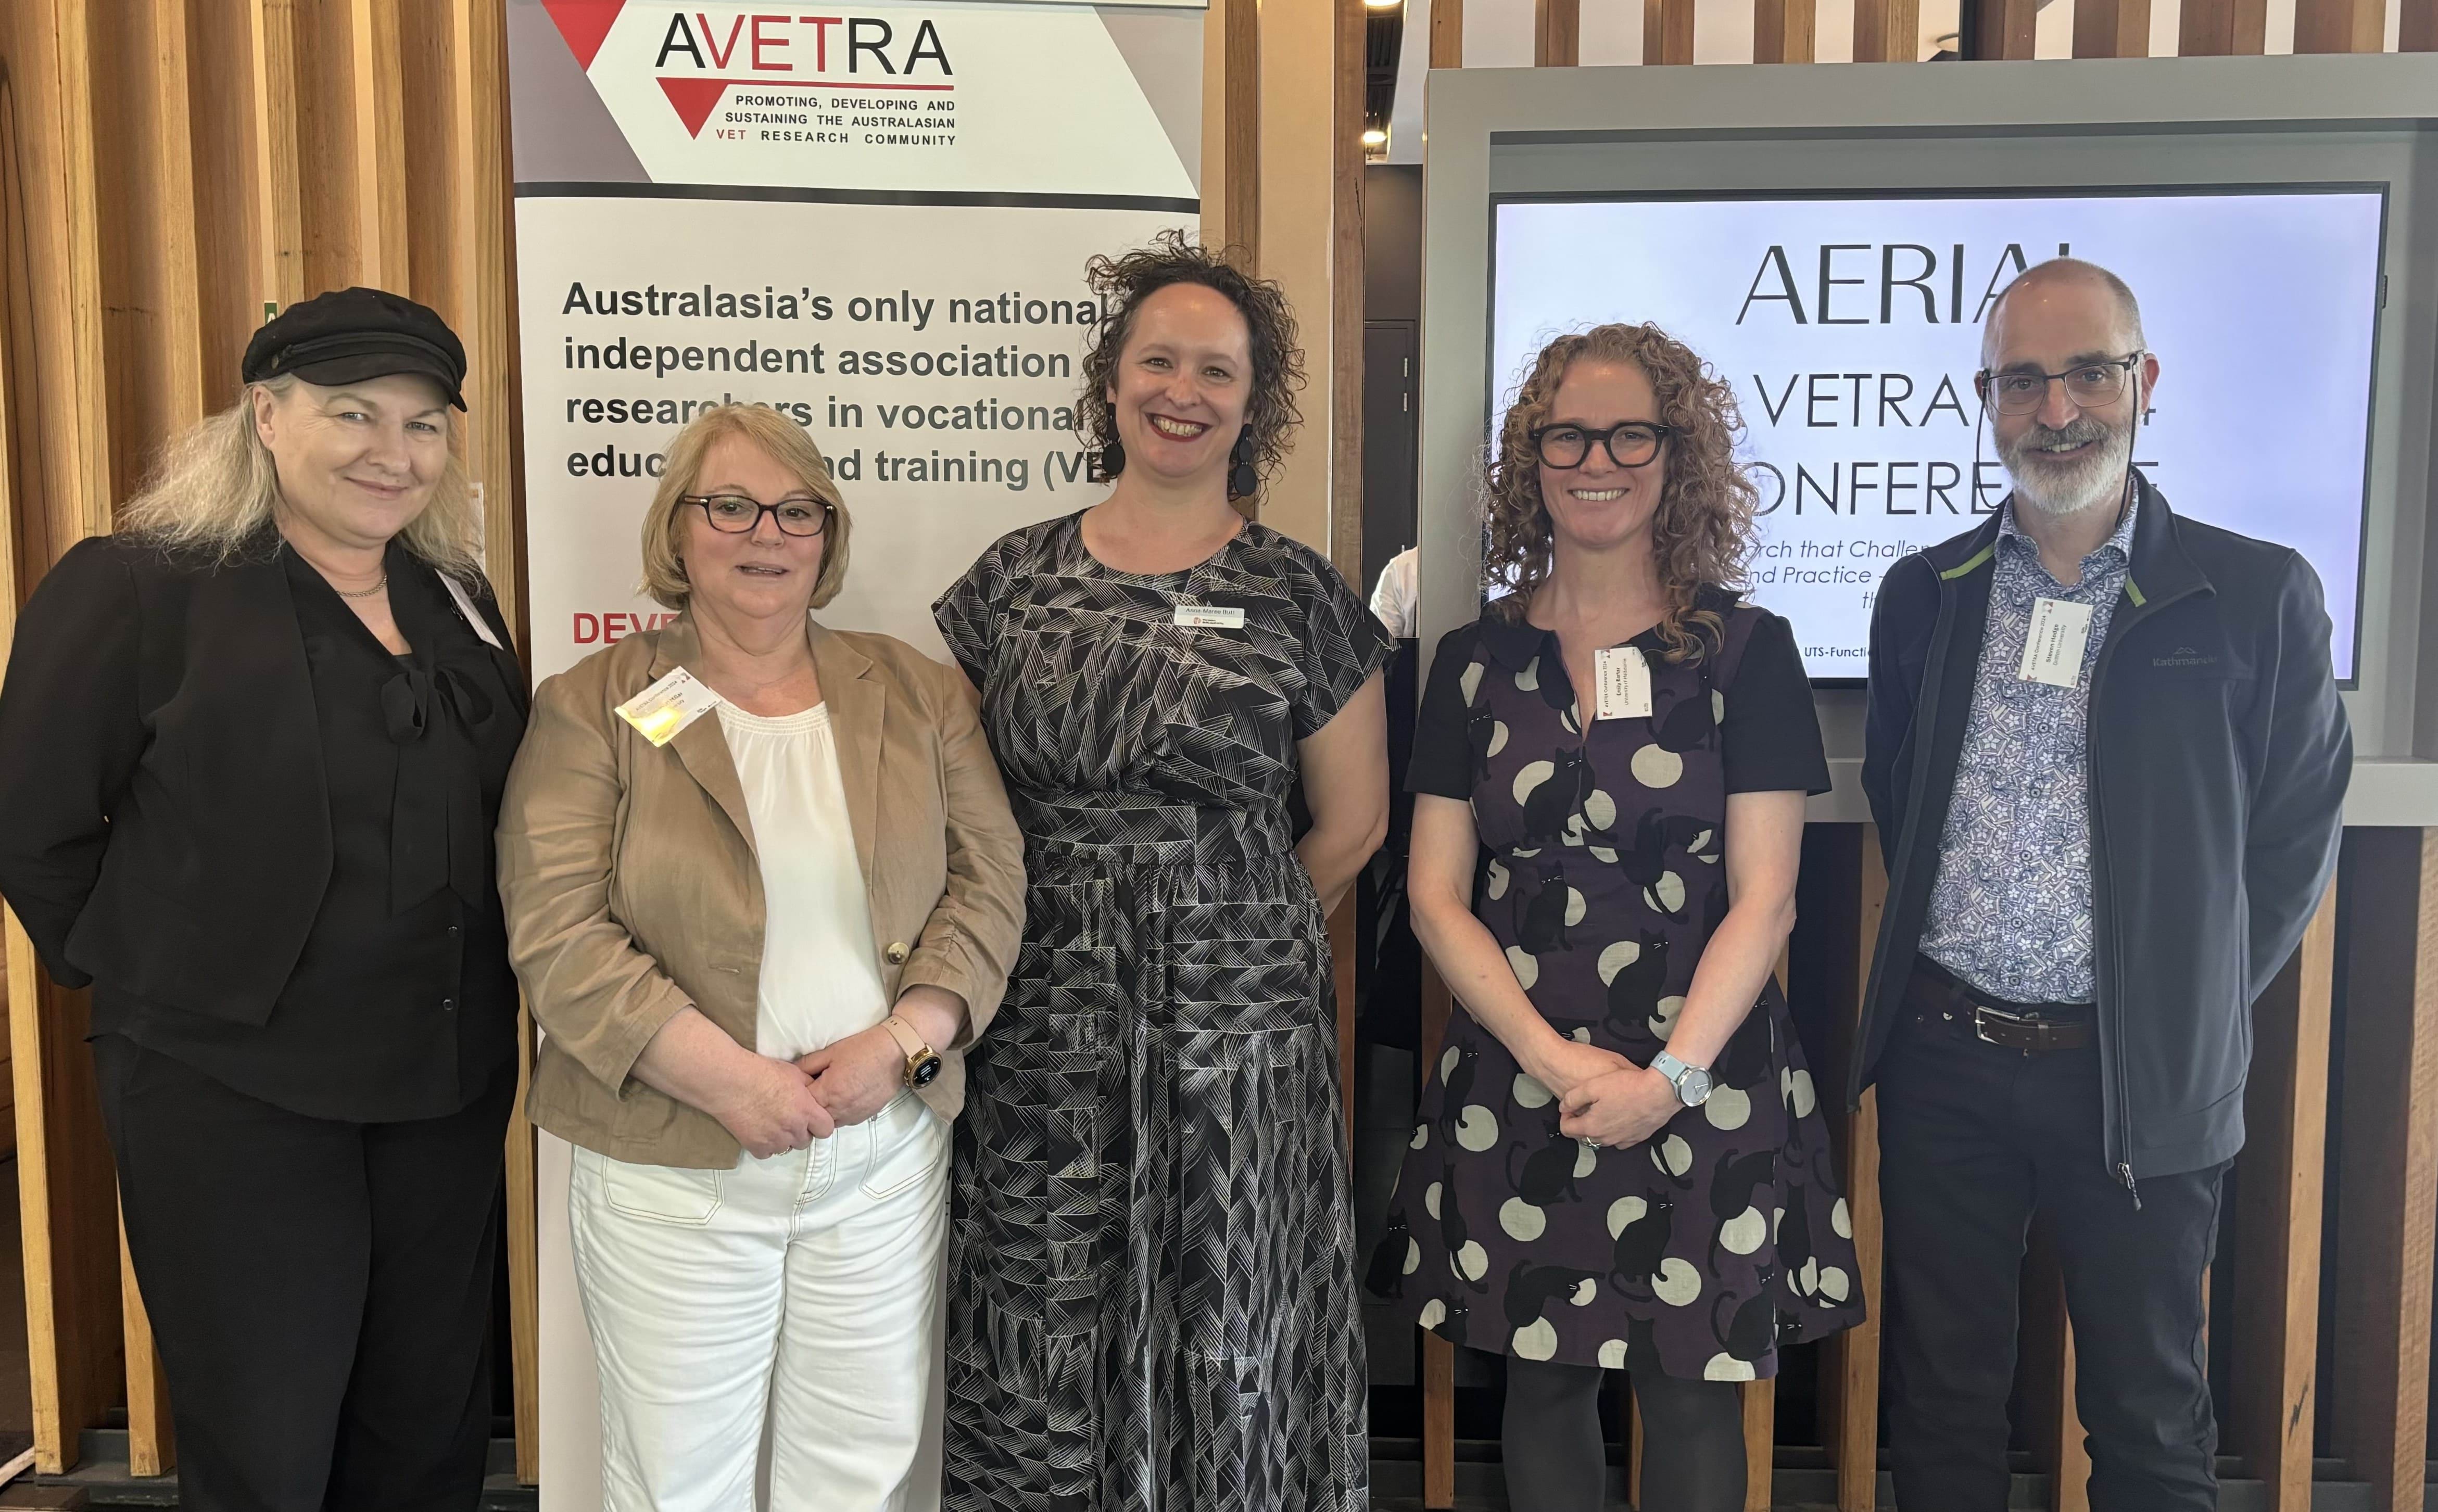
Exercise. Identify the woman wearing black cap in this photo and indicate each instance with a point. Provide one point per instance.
(251, 754)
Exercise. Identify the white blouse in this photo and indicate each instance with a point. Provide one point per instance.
(820, 980)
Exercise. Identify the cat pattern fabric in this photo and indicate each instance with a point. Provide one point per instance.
(1152, 1299)
(1723, 1238)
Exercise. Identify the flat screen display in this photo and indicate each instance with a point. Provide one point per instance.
(1850, 329)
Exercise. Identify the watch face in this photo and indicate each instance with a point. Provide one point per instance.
(924, 1072)
(1695, 1088)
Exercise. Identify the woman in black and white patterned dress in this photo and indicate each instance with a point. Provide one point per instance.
(1150, 1294)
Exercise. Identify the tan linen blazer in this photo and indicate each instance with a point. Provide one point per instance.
(632, 886)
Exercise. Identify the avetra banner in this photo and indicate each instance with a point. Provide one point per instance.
(874, 217)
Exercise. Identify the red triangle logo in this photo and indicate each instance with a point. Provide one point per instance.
(694, 100)
(584, 24)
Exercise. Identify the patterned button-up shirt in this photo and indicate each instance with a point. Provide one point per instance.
(2011, 910)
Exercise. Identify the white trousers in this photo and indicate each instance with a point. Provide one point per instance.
(790, 1300)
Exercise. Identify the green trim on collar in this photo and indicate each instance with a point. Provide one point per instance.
(1973, 561)
(2133, 592)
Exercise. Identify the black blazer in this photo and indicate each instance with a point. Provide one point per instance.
(163, 814)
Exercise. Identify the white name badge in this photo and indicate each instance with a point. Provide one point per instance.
(668, 705)
(2052, 652)
(1210, 617)
(1622, 683)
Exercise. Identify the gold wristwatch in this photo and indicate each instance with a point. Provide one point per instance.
(921, 1062)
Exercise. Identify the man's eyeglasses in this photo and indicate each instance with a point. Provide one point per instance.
(2091, 385)
(736, 515)
(1631, 445)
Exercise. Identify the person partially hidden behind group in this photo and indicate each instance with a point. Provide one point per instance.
(250, 750)
(763, 893)
(1620, 1162)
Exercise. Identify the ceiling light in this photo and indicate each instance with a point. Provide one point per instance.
(1375, 137)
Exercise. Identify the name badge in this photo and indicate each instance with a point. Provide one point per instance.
(668, 705)
(1622, 683)
(1210, 617)
(2052, 652)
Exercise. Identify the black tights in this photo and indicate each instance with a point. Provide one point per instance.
(1693, 1440)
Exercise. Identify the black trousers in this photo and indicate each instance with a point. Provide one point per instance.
(1974, 1140)
(320, 1291)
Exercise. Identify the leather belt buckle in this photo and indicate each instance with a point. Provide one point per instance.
(2028, 1036)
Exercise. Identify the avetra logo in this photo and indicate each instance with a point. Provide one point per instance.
(705, 52)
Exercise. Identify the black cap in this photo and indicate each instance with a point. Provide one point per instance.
(355, 334)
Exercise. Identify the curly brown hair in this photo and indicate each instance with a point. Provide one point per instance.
(1127, 280)
(1702, 535)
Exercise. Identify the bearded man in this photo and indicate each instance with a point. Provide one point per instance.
(2107, 756)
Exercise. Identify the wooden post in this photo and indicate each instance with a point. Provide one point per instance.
(280, 241)
(1557, 33)
(1783, 30)
(2277, 1258)
(152, 1443)
(2002, 29)
(1447, 33)
(2219, 27)
(1850, 1363)
(375, 76)
(2418, 31)
(1347, 168)
(2387, 1193)
(2339, 25)
(1667, 31)
(1886, 31)
(1241, 111)
(2112, 28)
(1760, 1445)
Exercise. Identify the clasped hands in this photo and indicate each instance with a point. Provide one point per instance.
(1604, 1097)
(780, 1105)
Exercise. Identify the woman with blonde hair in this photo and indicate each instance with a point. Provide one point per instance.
(1620, 1162)
(762, 892)
(250, 750)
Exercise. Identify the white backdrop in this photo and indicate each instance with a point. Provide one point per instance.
(875, 220)
(1865, 402)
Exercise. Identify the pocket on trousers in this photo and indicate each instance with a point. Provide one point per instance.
(906, 1144)
(662, 1194)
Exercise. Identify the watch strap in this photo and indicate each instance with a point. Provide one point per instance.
(1669, 1067)
(911, 1041)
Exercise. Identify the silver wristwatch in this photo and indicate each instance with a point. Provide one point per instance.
(1692, 1082)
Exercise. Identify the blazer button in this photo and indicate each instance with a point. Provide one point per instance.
(896, 954)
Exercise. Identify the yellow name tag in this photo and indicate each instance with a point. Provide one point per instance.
(668, 705)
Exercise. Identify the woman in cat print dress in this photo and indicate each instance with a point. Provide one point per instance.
(1620, 1161)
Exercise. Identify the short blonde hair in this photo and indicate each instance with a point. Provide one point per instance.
(785, 441)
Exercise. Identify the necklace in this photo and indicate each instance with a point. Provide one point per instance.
(364, 593)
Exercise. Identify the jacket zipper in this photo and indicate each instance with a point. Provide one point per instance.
(2109, 1011)
(1942, 630)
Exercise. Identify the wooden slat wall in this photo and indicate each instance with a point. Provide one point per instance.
(181, 165)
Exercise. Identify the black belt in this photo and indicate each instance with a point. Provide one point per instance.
(1942, 1002)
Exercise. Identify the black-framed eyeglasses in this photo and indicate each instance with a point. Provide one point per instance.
(2091, 385)
(1630, 445)
(736, 515)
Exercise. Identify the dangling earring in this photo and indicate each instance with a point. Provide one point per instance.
(1113, 458)
(1243, 482)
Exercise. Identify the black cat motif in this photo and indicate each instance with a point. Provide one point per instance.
(1634, 992)
(1385, 1276)
(1794, 1240)
(1458, 1322)
(1541, 915)
(1457, 1090)
(1480, 733)
(1550, 808)
(1687, 726)
(1531, 1288)
(1734, 1182)
(1548, 1173)
(1753, 1331)
(1643, 1243)
(1744, 1064)
(1453, 1226)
